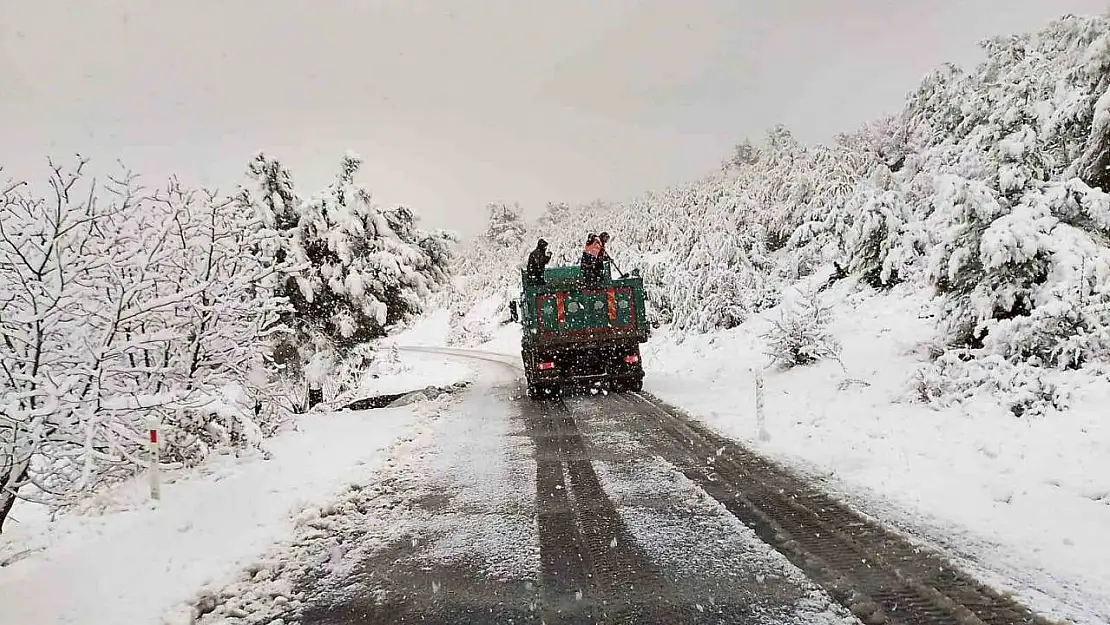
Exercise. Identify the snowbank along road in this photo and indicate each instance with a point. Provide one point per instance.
(620, 509)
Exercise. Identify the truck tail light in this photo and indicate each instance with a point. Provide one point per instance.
(632, 359)
(543, 366)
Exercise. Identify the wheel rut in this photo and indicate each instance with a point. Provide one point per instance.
(878, 575)
(592, 570)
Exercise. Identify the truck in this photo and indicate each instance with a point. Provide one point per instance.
(581, 332)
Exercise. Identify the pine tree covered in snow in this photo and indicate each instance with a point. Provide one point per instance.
(801, 334)
(357, 268)
(506, 228)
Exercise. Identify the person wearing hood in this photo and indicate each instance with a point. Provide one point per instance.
(537, 262)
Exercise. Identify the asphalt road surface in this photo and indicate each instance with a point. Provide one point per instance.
(620, 509)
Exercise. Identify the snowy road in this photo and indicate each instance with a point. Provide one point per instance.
(600, 509)
(518, 515)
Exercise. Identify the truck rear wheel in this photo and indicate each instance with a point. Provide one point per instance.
(544, 391)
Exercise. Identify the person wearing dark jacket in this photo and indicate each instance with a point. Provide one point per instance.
(537, 262)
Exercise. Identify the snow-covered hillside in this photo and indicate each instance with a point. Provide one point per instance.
(987, 190)
(1022, 502)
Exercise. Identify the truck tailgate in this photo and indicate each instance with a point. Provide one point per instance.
(586, 311)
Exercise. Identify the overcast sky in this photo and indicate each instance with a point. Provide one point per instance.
(456, 103)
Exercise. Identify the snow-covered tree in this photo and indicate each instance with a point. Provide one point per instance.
(744, 153)
(506, 227)
(553, 215)
(44, 264)
(358, 269)
(1094, 165)
(882, 238)
(119, 304)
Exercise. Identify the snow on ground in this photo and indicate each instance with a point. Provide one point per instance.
(495, 340)
(128, 565)
(122, 560)
(330, 539)
(402, 371)
(431, 330)
(490, 478)
(1025, 499)
(414, 371)
(496, 337)
(459, 497)
(481, 320)
(504, 340)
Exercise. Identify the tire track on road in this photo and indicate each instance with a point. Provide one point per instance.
(879, 575)
(592, 570)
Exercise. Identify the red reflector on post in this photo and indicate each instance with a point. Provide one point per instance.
(545, 365)
(632, 359)
(154, 436)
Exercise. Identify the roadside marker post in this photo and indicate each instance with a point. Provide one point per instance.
(152, 446)
(759, 417)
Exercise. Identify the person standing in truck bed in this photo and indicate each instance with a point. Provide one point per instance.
(594, 258)
(537, 262)
(603, 255)
(590, 253)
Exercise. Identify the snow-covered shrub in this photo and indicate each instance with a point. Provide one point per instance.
(225, 419)
(1070, 323)
(958, 376)
(343, 380)
(884, 238)
(979, 285)
(1031, 282)
(800, 336)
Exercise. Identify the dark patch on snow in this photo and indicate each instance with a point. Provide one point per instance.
(400, 399)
